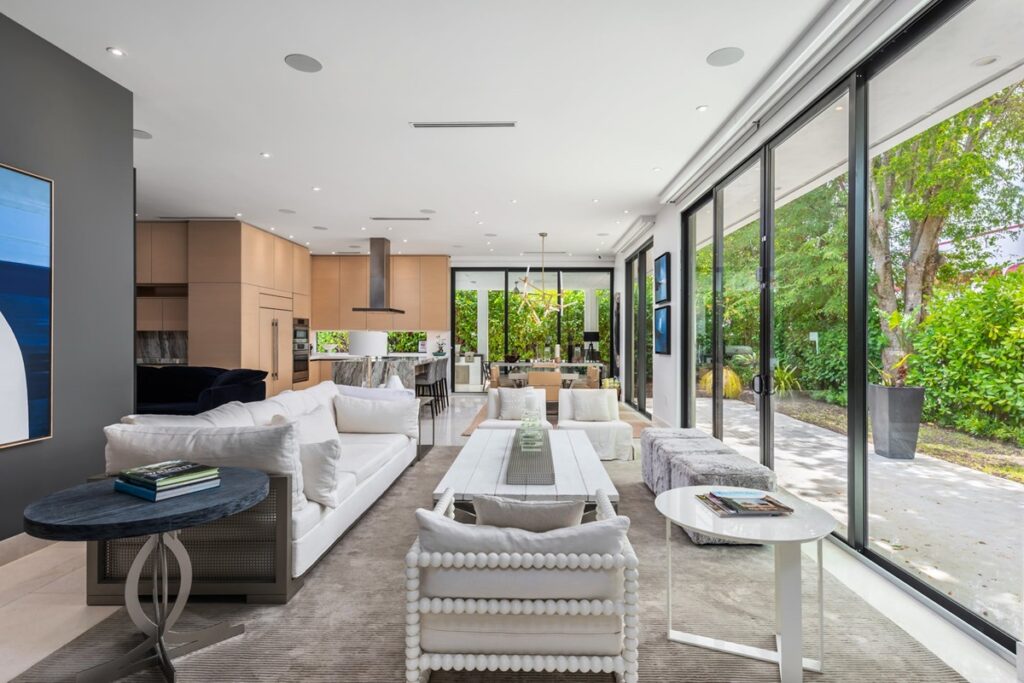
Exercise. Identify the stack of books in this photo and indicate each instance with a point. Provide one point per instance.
(743, 503)
(168, 479)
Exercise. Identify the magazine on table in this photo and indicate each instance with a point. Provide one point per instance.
(743, 503)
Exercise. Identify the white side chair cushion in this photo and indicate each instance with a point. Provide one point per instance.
(530, 515)
(534, 584)
(320, 472)
(441, 534)
(510, 634)
(514, 401)
(233, 414)
(273, 449)
(590, 405)
(363, 416)
(378, 394)
(315, 426)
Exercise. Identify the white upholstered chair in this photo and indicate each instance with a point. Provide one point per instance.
(523, 611)
(494, 420)
(611, 438)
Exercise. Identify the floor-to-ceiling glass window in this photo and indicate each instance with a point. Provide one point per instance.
(640, 308)
(701, 224)
(946, 300)
(586, 317)
(809, 301)
(740, 307)
(479, 318)
(532, 314)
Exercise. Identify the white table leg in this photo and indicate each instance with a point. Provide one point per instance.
(787, 596)
(821, 609)
(668, 554)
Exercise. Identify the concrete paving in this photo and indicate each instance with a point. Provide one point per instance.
(958, 529)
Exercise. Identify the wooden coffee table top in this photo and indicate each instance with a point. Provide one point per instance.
(480, 469)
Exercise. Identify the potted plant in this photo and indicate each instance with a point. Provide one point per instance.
(895, 411)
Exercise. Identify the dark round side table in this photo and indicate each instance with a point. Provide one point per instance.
(95, 512)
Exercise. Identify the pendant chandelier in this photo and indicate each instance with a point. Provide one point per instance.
(544, 300)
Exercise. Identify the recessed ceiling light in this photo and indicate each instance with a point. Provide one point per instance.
(140, 134)
(303, 63)
(316, 189)
(404, 241)
(116, 51)
(429, 211)
(492, 250)
(568, 253)
(273, 229)
(319, 227)
(479, 222)
(726, 56)
(618, 222)
(399, 252)
(656, 169)
(602, 234)
(488, 244)
(598, 249)
(334, 252)
(702, 107)
(265, 155)
(985, 61)
(291, 237)
(595, 200)
(476, 213)
(307, 244)
(490, 234)
(390, 228)
(238, 215)
(515, 201)
(363, 228)
(839, 107)
(625, 211)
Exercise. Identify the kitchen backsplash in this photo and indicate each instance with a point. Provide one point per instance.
(161, 347)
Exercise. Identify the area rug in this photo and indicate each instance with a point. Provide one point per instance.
(637, 421)
(347, 623)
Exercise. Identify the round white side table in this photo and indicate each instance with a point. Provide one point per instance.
(807, 523)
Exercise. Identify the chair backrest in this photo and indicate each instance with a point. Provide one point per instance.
(565, 408)
(494, 402)
(550, 381)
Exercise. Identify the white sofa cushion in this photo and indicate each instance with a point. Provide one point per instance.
(315, 426)
(440, 534)
(362, 416)
(531, 515)
(273, 449)
(591, 405)
(233, 414)
(363, 464)
(517, 633)
(514, 401)
(381, 394)
(320, 472)
(306, 518)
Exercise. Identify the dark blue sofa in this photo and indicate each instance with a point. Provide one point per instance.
(187, 390)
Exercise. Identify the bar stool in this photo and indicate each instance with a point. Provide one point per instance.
(441, 365)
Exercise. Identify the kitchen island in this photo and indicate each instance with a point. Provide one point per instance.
(373, 371)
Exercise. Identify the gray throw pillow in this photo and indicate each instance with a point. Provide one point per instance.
(537, 516)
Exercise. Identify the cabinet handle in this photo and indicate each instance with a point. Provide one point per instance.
(274, 349)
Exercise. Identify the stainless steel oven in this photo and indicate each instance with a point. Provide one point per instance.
(300, 350)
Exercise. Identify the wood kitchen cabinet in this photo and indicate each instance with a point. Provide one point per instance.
(405, 292)
(275, 348)
(301, 275)
(325, 301)
(161, 253)
(156, 314)
(354, 291)
(435, 295)
(284, 260)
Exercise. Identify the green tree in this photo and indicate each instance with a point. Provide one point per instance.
(465, 320)
(953, 182)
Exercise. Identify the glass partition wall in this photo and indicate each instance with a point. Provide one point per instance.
(639, 387)
(504, 315)
(856, 298)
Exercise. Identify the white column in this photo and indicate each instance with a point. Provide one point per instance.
(590, 321)
(481, 321)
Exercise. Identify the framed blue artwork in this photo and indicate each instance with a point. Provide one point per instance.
(662, 279)
(663, 330)
(26, 306)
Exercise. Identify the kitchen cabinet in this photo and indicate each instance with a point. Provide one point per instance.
(175, 314)
(275, 349)
(161, 253)
(143, 253)
(300, 270)
(405, 292)
(325, 301)
(258, 257)
(354, 291)
(435, 297)
(300, 306)
(155, 314)
(284, 260)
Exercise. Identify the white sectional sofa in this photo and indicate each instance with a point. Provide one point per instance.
(377, 432)
(499, 416)
(596, 412)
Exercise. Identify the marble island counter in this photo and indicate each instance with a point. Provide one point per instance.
(373, 371)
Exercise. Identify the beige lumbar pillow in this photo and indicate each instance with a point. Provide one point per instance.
(514, 402)
(532, 515)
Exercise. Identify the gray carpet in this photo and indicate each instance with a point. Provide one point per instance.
(347, 623)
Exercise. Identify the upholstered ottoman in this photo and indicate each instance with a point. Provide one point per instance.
(649, 438)
(688, 467)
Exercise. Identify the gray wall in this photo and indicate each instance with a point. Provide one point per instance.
(64, 121)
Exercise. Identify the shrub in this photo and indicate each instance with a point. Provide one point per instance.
(732, 386)
(969, 356)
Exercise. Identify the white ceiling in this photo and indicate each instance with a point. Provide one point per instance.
(603, 92)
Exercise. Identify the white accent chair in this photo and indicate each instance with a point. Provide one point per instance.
(515, 611)
(494, 420)
(612, 439)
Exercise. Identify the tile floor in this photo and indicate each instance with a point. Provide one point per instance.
(42, 595)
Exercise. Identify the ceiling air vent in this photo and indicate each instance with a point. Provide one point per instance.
(198, 218)
(462, 124)
(399, 218)
(547, 253)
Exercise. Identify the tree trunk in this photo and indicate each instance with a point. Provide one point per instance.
(881, 261)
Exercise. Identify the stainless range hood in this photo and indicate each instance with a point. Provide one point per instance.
(380, 278)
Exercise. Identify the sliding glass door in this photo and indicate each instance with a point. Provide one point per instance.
(640, 332)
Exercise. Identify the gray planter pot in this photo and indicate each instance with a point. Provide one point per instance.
(895, 419)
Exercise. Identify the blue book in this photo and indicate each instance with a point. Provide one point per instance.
(742, 493)
(151, 495)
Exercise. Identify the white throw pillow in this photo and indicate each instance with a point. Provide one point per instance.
(320, 471)
(443, 535)
(264, 411)
(166, 420)
(361, 416)
(590, 405)
(377, 394)
(316, 426)
(272, 449)
(233, 414)
(515, 401)
(531, 515)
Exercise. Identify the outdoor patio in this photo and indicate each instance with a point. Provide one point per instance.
(959, 529)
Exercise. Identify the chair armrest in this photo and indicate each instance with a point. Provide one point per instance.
(446, 504)
(604, 506)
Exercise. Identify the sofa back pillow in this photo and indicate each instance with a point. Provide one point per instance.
(443, 535)
(272, 449)
(361, 416)
(320, 471)
(233, 414)
(378, 394)
(591, 405)
(315, 426)
(530, 515)
(514, 401)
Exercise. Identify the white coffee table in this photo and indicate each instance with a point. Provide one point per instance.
(480, 468)
(807, 523)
